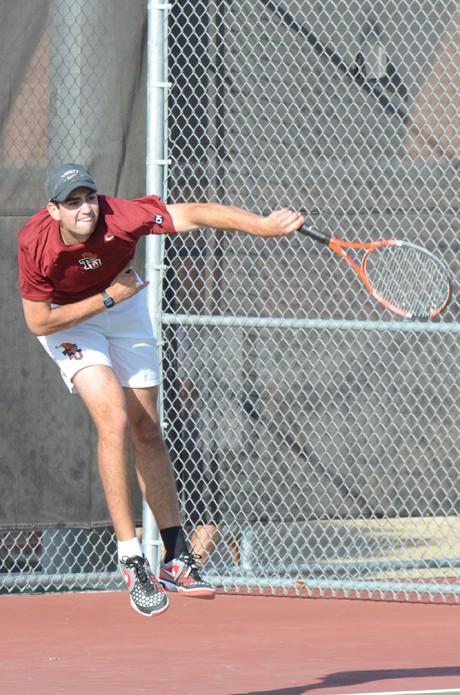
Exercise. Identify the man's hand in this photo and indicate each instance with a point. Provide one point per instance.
(280, 223)
(125, 285)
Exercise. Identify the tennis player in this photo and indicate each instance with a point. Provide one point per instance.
(88, 308)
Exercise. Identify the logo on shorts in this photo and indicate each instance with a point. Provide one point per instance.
(90, 261)
(71, 350)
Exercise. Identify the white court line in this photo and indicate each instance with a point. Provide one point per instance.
(409, 692)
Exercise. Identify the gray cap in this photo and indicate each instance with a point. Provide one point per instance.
(66, 178)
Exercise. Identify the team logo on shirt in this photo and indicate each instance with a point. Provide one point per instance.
(71, 350)
(158, 219)
(90, 261)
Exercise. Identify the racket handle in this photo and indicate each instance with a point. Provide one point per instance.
(315, 233)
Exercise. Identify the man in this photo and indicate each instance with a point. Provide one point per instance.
(86, 305)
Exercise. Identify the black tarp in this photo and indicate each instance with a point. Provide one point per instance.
(72, 88)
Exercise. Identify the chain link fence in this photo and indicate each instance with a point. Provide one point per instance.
(326, 432)
(315, 438)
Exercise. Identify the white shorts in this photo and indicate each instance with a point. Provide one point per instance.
(121, 338)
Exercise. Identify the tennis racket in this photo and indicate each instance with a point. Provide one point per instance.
(404, 277)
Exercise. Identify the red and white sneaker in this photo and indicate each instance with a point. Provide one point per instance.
(146, 593)
(183, 575)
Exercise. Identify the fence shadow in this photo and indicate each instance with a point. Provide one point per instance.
(348, 678)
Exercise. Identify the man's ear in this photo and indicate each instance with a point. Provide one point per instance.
(54, 211)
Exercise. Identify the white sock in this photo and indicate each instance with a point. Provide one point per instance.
(129, 548)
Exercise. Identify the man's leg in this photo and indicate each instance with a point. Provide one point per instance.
(104, 397)
(153, 466)
(157, 482)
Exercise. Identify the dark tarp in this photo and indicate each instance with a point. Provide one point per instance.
(72, 87)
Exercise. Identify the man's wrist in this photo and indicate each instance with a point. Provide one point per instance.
(107, 299)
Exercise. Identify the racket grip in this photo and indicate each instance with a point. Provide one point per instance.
(315, 233)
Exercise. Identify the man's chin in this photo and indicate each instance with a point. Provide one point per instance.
(85, 228)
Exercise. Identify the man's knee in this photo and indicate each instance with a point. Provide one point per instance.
(112, 421)
(146, 432)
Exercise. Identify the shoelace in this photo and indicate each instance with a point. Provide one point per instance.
(138, 565)
(189, 560)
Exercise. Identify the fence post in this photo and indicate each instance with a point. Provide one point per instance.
(156, 170)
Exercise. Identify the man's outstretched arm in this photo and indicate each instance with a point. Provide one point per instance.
(189, 216)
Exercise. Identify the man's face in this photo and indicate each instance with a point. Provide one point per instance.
(77, 216)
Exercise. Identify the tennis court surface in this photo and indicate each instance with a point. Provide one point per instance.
(70, 644)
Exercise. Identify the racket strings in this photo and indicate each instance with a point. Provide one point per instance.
(409, 279)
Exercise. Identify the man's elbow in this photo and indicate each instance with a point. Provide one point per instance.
(37, 326)
(37, 317)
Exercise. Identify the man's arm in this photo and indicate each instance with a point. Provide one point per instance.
(42, 319)
(189, 216)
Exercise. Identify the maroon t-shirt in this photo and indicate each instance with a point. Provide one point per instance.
(51, 270)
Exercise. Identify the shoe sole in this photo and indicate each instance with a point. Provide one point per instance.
(153, 613)
(193, 593)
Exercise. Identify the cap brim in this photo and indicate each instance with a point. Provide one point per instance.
(83, 182)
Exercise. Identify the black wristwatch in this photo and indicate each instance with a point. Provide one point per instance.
(108, 301)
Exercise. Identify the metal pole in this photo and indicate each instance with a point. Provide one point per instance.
(156, 163)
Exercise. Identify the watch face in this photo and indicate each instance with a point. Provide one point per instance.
(108, 301)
